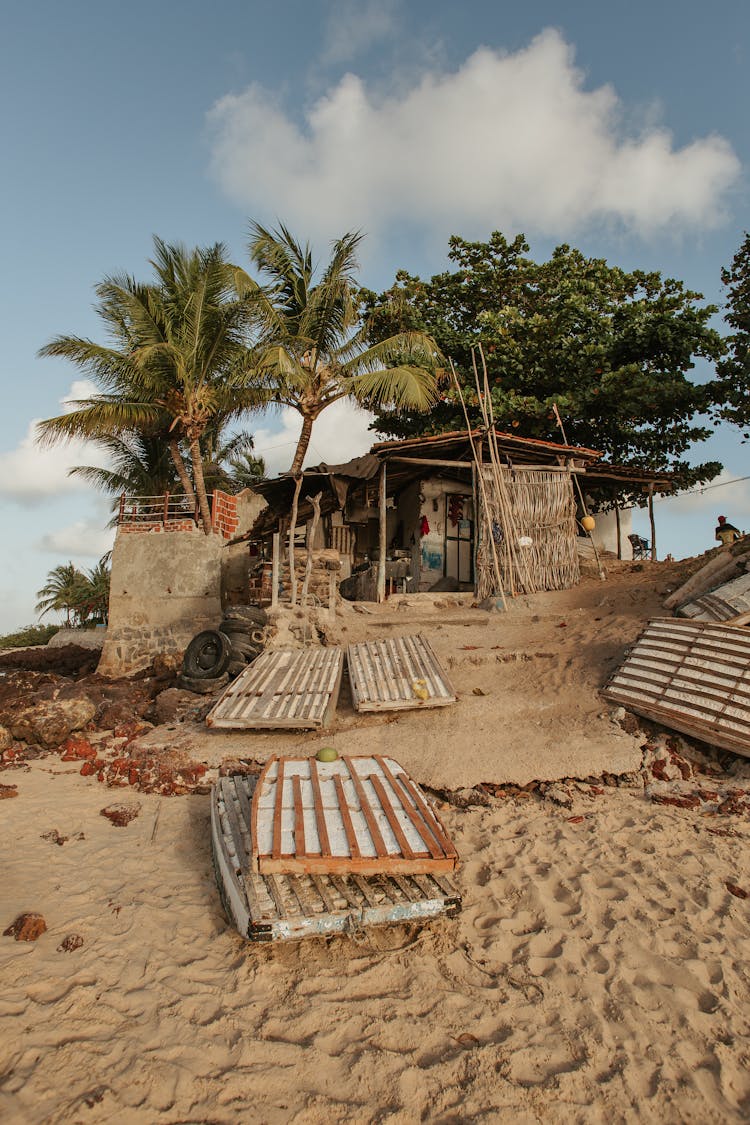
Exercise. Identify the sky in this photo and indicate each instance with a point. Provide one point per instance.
(621, 129)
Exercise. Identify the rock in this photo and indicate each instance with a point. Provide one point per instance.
(70, 943)
(7, 791)
(50, 723)
(121, 815)
(82, 638)
(74, 749)
(6, 739)
(167, 665)
(27, 927)
(171, 705)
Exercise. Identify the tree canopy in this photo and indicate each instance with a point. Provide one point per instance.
(611, 349)
(734, 369)
(311, 349)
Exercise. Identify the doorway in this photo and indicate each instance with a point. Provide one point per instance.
(459, 538)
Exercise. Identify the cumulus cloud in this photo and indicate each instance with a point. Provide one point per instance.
(726, 494)
(30, 474)
(80, 539)
(511, 141)
(340, 433)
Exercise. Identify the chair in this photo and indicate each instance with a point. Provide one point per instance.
(641, 547)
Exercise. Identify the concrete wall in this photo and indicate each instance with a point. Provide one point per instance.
(605, 532)
(165, 588)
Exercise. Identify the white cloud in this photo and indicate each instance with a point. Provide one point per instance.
(726, 495)
(80, 539)
(509, 141)
(352, 28)
(31, 474)
(340, 433)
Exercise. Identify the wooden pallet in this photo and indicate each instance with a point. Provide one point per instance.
(358, 814)
(397, 674)
(289, 688)
(723, 604)
(289, 907)
(693, 676)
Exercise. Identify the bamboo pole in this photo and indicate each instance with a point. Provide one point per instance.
(496, 562)
(619, 531)
(292, 529)
(382, 536)
(315, 502)
(602, 575)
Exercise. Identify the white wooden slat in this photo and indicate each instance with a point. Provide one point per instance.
(383, 674)
(700, 686)
(286, 688)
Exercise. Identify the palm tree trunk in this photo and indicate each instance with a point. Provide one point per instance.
(182, 473)
(302, 444)
(200, 484)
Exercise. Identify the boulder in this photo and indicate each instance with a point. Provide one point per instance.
(6, 739)
(171, 705)
(50, 722)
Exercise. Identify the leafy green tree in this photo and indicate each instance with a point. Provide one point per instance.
(611, 350)
(61, 592)
(734, 369)
(176, 361)
(311, 350)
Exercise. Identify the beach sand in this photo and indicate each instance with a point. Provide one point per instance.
(600, 969)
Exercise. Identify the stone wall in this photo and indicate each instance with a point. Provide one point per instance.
(166, 587)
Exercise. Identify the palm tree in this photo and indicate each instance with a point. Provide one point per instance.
(311, 350)
(93, 595)
(177, 363)
(141, 465)
(61, 592)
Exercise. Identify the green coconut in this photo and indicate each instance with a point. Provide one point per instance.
(326, 754)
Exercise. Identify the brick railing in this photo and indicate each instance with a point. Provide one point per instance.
(175, 512)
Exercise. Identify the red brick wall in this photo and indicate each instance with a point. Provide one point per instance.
(224, 517)
(172, 525)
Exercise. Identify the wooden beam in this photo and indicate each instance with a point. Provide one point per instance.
(275, 570)
(432, 461)
(653, 522)
(382, 515)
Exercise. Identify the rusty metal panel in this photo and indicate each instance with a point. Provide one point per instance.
(283, 907)
(290, 688)
(397, 674)
(693, 676)
(353, 815)
(722, 604)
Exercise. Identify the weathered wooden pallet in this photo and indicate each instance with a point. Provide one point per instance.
(693, 676)
(356, 814)
(281, 907)
(727, 601)
(397, 674)
(289, 688)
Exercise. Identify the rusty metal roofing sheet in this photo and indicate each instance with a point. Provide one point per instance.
(353, 815)
(693, 676)
(457, 436)
(290, 688)
(397, 674)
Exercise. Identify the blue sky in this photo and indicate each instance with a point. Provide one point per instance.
(620, 129)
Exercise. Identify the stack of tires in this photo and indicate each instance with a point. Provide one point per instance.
(215, 656)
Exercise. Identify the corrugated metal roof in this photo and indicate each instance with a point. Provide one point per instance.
(506, 441)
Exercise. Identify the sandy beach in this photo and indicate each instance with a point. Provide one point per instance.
(598, 971)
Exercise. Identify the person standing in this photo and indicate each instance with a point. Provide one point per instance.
(726, 532)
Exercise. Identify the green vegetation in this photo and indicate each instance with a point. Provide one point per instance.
(311, 349)
(611, 350)
(83, 596)
(734, 369)
(29, 635)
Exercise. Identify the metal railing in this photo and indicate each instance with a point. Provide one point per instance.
(170, 507)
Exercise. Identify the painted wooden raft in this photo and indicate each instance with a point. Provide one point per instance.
(722, 604)
(358, 814)
(397, 674)
(281, 907)
(693, 676)
(290, 688)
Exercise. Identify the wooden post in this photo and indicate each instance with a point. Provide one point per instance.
(382, 528)
(332, 596)
(292, 529)
(651, 518)
(619, 531)
(165, 516)
(275, 570)
(315, 501)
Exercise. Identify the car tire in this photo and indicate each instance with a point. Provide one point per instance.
(205, 685)
(207, 656)
(253, 613)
